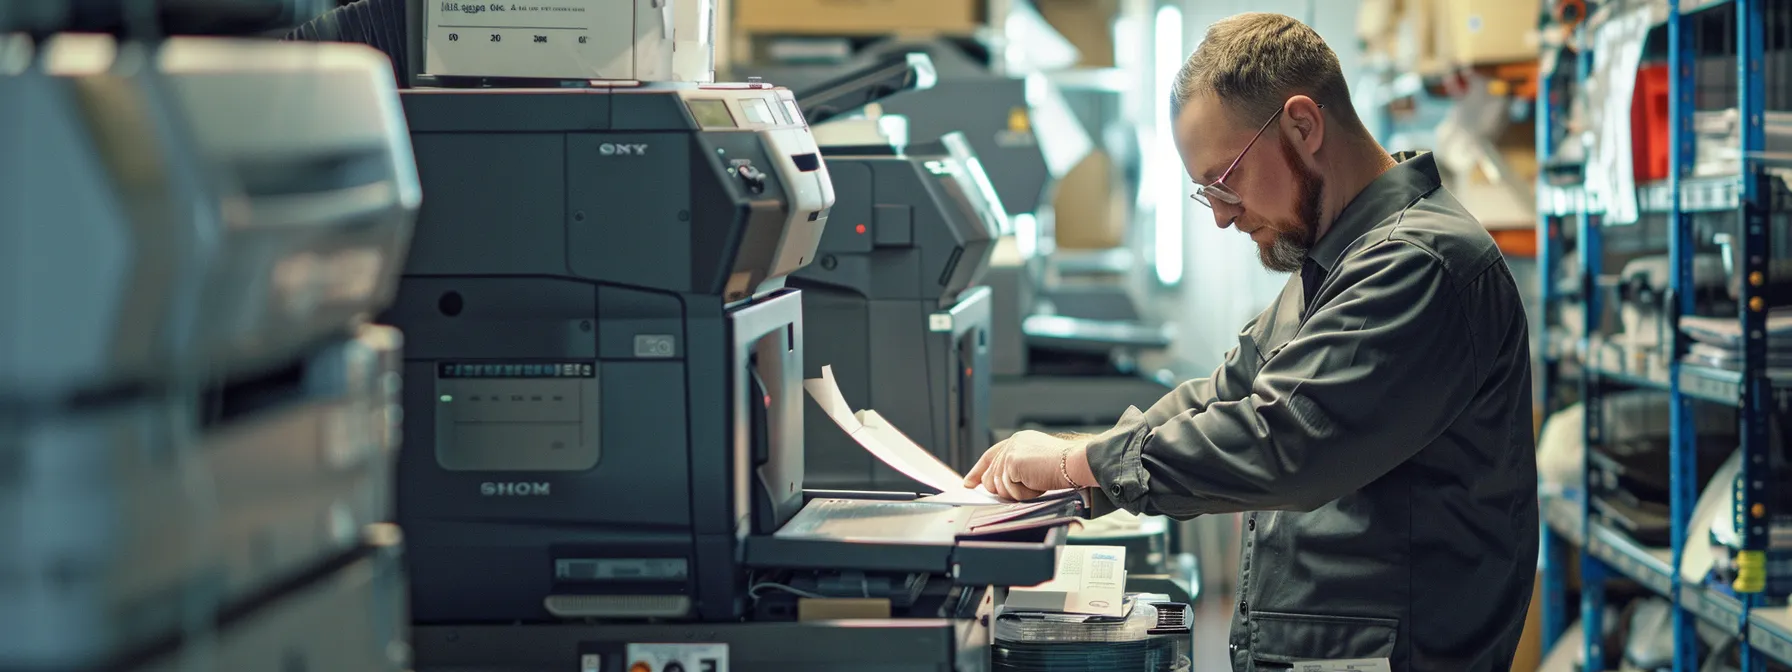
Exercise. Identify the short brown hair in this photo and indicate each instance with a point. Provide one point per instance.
(1256, 62)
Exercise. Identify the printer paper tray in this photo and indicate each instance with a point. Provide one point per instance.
(1018, 555)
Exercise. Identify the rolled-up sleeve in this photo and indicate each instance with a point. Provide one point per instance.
(1375, 374)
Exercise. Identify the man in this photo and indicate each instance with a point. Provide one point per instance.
(1379, 410)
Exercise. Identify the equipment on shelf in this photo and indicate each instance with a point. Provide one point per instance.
(1717, 342)
(1649, 639)
(197, 413)
(1629, 470)
(1643, 345)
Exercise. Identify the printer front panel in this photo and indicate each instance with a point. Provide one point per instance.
(536, 399)
(531, 416)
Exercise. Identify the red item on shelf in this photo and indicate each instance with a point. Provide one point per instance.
(1649, 123)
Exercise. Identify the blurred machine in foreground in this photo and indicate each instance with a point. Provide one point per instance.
(195, 415)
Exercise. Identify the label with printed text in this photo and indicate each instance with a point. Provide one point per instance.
(1358, 665)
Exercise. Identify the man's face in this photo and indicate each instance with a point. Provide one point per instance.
(1280, 206)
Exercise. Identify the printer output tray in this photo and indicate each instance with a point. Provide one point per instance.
(1012, 544)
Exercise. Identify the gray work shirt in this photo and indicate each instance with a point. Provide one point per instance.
(1379, 412)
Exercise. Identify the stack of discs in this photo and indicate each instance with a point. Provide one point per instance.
(1153, 637)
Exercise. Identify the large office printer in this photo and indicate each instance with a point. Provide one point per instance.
(195, 416)
(603, 405)
(894, 295)
(1048, 367)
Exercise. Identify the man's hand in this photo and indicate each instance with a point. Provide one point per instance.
(1029, 464)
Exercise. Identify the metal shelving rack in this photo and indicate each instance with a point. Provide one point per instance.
(1754, 194)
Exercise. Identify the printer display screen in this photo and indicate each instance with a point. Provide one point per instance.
(711, 113)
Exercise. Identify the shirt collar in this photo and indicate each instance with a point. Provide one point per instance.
(1414, 174)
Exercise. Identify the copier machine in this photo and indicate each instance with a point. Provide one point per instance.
(894, 299)
(195, 414)
(1046, 368)
(603, 402)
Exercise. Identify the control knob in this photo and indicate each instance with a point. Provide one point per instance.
(751, 176)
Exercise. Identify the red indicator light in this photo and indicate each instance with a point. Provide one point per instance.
(860, 228)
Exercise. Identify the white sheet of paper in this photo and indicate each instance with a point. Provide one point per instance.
(927, 468)
(890, 446)
(963, 495)
(884, 441)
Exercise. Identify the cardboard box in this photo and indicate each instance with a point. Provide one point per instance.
(1378, 27)
(1090, 212)
(1087, 24)
(858, 17)
(1530, 643)
(1422, 38)
(1491, 31)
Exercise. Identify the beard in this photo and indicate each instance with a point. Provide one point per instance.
(1295, 237)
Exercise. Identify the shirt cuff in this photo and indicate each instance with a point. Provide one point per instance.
(1115, 459)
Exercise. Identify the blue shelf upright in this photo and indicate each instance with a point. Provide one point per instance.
(1753, 500)
(1683, 452)
(1553, 549)
(1593, 571)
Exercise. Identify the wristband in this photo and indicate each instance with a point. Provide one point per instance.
(1064, 468)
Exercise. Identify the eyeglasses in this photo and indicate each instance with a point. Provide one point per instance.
(1205, 194)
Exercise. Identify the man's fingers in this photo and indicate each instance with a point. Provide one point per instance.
(1006, 488)
(997, 476)
(976, 475)
(1019, 492)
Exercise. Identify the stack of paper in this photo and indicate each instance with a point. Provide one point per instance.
(891, 447)
(1090, 580)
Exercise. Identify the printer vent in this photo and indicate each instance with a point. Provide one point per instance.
(1172, 617)
(618, 606)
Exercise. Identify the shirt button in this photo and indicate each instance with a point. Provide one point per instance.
(1250, 524)
(1114, 490)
